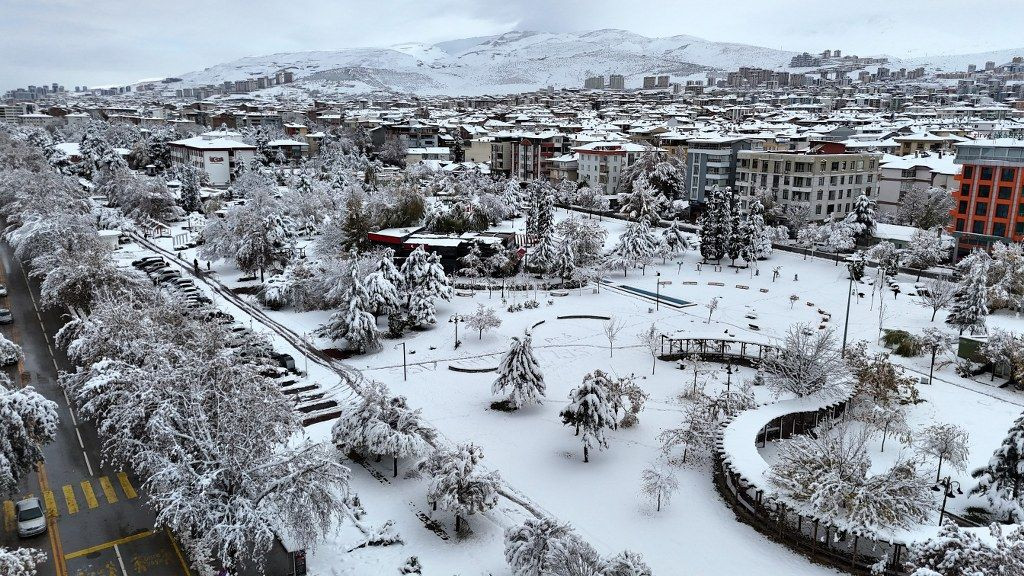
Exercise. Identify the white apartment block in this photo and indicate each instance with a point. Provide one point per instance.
(829, 183)
(601, 164)
(215, 152)
(902, 174)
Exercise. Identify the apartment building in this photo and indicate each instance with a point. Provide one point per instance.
(826, 177)
(989, 200)
(600, 164)
(898, 175)
(525, 155)
(710, 162)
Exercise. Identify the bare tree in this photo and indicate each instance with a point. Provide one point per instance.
(659, 483)
(612, 327)
(937, 295)
(948, 443)
(652, 341)
(807, 361)
(711, 306)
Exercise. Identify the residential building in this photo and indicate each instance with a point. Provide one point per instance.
(989, 201)
(826, 177)
(616, 82)
(710, 162)
(594, 83)
(216, 152)
(900, 174)
(601, 164)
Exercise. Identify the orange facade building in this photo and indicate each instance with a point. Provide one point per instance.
(989, 203)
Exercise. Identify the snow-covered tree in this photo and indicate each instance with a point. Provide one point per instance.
(574, 557)
(10, 353)
(382, 297)
(564, 264)
(355, 323)
(659, 483)
(739, 237)
(425, 282)
(612, 327)
(586, 238)
(528, 545)
(519, 375)
(412, 566)
(1001, 481)
(1007, 349)
(253, 235)
(591, 412)
(29, 422)
(458, 484)
(937, 294)
(626, 563)
(188, 197)
(863, 217)
(828, 476)
(483, 319)
(970, 301)
(807, 361)
(20, 561)
(957, 552)
(472, 266)
(948, 443)
(691, 441)
(636, 247)
(643, 204)
(888, 257)
(925, 208)
(674, 240)
(715, 225)
(926, 249)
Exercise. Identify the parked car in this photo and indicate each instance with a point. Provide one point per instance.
(147, 260)
(3, 290)
(5, 316)
(31, 518)
(284, 361)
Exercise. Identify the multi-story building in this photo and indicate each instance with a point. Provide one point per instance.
(827, 178)
(989, 200)
(710, 162)
(594, 83)
(600, 164)
(901, 174)
(616, 82)
(215, 152)
(525, 155)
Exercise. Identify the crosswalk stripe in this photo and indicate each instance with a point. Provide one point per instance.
(69, 498)
(51, 503)
(108, 490)
(90, 496)
(129, 491)
(9, 515)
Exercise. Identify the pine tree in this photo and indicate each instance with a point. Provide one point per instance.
(457, 484)
(714, 225)
(636, 247)
(519, 375)
(414, 269)
(528, 546)
(1002, 480)
(381, 295)
(355, 324)
(189, 192)
(564, 265)
(392, 274)
(642, 204)
(472, 264)
(760, 236)
(626, 563)
(970, 301)
(542, 256)
(863, 217)
(737, 237)
(674, 239)
(591, 412)
(512, 195)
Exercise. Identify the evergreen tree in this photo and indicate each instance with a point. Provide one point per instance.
(414, 270)
(189, 192)
(542, 257)
(626, 563)
(512, 195)
(564, 265)
(519, 375)
(355, 324)
(863, 217)
(386, 265)
(528, 546)
(1001, 482)
(457, 484)
(643, 203)
(381, 295)
(760, 236)
(737, 238)
(714, 225)
(591, 411)
(472, 264)
(636, 247)
(970, 301)
(674, 239)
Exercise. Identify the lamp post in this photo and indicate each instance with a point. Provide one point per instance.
(849, 295)
(455, 320)
(946, 486)
(657, 291)
(405, 371)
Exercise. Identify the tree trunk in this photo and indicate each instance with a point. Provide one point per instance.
(659, 502)
(938, 472)
(396, 468)
(586, 454)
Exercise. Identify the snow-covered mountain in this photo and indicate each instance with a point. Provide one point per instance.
(521, 61)
(512, 62)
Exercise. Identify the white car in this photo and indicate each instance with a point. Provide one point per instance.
(31, 518)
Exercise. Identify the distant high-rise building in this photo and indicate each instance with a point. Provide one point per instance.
(883, 73)
(663, 81)
(837, 53)
(972, 68)
(594, 83)
(826, 54)
(649, 82)
(616, 82)
(990, 65)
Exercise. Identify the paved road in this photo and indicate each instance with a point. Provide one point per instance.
(99, 525)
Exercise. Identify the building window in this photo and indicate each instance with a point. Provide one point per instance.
(960, 225)
(968, 171)
(1005, 192)
(817, 209)
(963, 207)
(981, 208)
(1006, 174)
(1002, 210)
(1018, 228)
(983, 190)
(986, 172)
(819, 194)
(999, 229)
(965, 189)
(978, 228)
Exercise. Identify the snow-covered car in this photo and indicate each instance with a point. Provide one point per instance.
(31, 518)
(5, 316)
(3, 290)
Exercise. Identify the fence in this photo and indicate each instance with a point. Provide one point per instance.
(714, 349)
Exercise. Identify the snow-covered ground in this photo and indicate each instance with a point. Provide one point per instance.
(541, 459)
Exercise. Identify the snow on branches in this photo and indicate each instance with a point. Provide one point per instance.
(519, 375)
(807, 361)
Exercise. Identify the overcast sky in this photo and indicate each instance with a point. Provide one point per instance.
(97, 42)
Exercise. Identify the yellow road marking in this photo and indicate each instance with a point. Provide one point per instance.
(90, 496)
(9, 515)
(106, 545)
(69, 497)
(181, 557)
(108, 490)
(129, 491)
(59, 565)
(51, 503)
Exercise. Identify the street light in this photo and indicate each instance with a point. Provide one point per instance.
(657, 291)
(455, 319)
(405, 371)
(946, 486)
(849, 294)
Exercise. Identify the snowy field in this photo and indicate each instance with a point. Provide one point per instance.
(540, 458)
